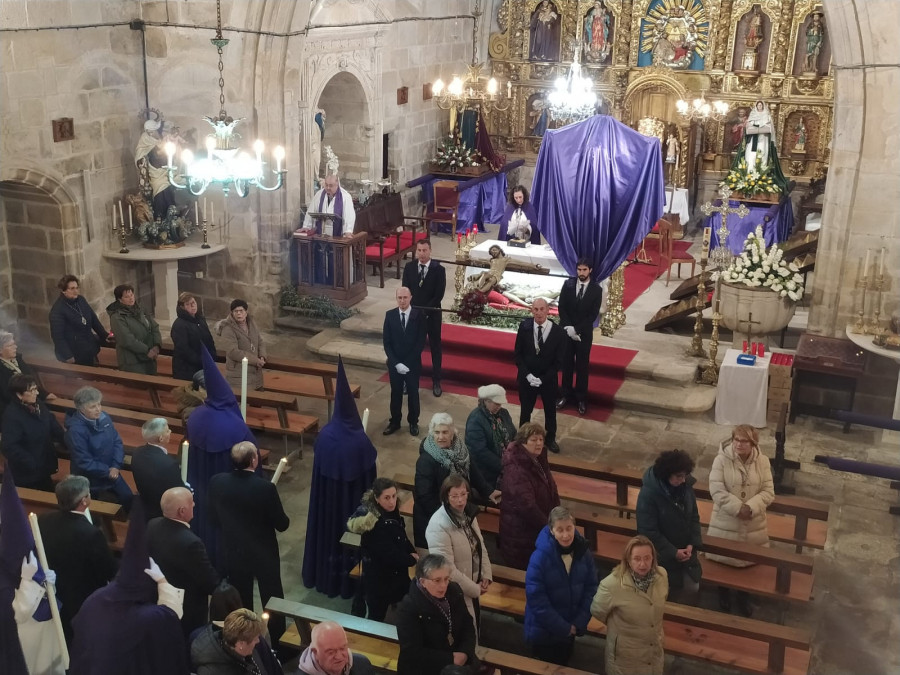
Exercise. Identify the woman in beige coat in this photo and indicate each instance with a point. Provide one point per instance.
(631, 602)
(741, 486)
(241, 338)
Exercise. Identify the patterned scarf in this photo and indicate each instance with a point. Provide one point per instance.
(643, 583)
(500, 433)
(464, 522)
(456, 457)
(12, 364)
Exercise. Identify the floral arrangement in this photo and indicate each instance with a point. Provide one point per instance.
(453, 155)
(755, 181)
(314, 306)
(757, 267)
(472, 306)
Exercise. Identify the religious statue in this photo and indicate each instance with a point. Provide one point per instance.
(799, 137)
(759, 134)
(596, 33)
(750, 58)
(671, 149)
(315, 147)
(673, 33)
(486, 281)
(815, 40)
(544, 33)
(151, 161)
(539, 116)
(737, 128)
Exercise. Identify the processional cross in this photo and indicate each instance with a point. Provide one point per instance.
(721, 256)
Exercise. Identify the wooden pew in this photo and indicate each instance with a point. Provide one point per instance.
(777, 574)
(266, 411)
(794, 520)
(378, 641)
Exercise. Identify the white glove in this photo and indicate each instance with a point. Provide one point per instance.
(577, 338)
(533, 381)
(570, 331)
(50, 576)
(402, 369)
(154, 572)
(29, 566)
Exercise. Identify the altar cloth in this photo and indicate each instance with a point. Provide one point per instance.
(741, 392)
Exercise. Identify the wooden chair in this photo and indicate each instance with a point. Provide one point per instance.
(666, 256)
(445, 207)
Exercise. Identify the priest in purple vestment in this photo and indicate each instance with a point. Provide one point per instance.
(343, 468)
(332, 198)
(212, 430)
(132, 625)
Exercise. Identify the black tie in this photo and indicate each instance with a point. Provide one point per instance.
(421, 274)
(540, 339)
(580, 292)
(403, 320)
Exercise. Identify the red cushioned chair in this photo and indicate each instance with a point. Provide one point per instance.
(666, 256)
(445, 207)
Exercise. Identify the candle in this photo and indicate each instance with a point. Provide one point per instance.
(458, 239)
(278, 471)
(244, 388)
(866, 268)
(51, 590)
(762, 350)
(205, 209)
(212, 212)
(744, 348)
(130, 223)
(197, 214)
(114, 216)
(881, 267)
(365, 419)
(184, 461)
(509, 89)
(121, 215)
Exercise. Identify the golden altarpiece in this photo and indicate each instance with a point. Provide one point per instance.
(645, 55)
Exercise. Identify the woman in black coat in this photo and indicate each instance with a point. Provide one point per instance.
(29, 432)
(12, 363)
(189, 331)
(434, 627)
(76, 331)
(387, 553)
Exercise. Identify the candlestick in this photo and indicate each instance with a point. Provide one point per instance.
(859, 328)
(205, 243)
(184, 460)
(279, 470)
(696, 348)
(205, 211)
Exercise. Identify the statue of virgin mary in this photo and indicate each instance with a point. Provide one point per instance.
(759, 136)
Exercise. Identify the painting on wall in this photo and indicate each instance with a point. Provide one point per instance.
(537, 115)
(734, 129)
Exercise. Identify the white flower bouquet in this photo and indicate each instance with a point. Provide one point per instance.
(453, 155)
(758, 268)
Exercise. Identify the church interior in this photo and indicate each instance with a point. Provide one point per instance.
(781, 115)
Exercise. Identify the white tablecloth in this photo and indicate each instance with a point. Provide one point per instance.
(681, 204)
(535, 255)
(742, 390)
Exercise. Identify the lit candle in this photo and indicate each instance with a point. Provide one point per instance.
(866, 268)
(365, 419)
(114, 216)
(458, 239)
(279, 157)
(184, 461)
(258, 147)
(170, 153)
(279, 469)
(244, 388)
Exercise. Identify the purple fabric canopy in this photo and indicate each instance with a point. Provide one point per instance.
(777, 221)
(480, 204)
(598, 189)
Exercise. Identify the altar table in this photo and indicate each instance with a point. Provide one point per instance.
(679, 204)
(741, 392)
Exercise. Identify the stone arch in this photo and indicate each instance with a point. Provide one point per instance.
(348, 129)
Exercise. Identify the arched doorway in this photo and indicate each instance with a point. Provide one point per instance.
(347, 128)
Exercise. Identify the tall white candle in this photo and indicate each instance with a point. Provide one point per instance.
(365, 419)
(51, 591)
(197, 214)
(121, 215)
(205, 210)
(244, 388)
(184, 461)
(114, 216)
(278, 470)
(881, 267)
(866, 268)
(130, 222)
(212, 212)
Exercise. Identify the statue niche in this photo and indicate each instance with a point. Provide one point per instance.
(812, 55)
(675, 34)
(544, 36)
(597, 34)
(537, 115)
(801, 129)
(751, 44)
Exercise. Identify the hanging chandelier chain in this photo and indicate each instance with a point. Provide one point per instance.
(221, 84)
(475, 13)
(218, 19)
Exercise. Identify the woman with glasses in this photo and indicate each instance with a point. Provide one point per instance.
(741, 486)
(667, 515)
(30, 433)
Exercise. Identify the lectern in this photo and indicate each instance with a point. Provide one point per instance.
(332, 266)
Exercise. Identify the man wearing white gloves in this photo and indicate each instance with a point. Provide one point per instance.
(579, 307)
(539, 350)
(404, 338)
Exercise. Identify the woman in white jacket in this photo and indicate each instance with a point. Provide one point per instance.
(453, 532)
(741, 486)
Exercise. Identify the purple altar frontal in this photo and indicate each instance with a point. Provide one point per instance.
(482, 201)
(777, 221)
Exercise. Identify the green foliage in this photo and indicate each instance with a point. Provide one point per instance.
(315, 306)
(754, 181)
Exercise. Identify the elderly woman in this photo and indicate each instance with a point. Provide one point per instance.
(520, 218)
(29, 434)
(76, 331)
(433, 627)
(667, 515)
(440, 454)
(387, 553)
(489, 429)
(242, 339)
(559, 584)
(189, 333)
(741, 486)
(137, 333)
(96, 446)
(12, 363)
(532, 494)
(233, 648)
(631, 602)
(453, 532)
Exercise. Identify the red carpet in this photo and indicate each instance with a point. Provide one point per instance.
(474, 357)
(639, 277)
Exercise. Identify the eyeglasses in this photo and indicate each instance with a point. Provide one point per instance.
(31, 389)
(741, 440)
(439, 580)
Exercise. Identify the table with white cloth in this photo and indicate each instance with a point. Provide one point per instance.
(680, 205)
(742, 390)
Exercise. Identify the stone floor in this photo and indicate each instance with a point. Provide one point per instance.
(853, 616)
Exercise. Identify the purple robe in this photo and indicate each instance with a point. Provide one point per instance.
(529, 212)
(337, 227)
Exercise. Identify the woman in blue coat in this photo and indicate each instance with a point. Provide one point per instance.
(560, 582)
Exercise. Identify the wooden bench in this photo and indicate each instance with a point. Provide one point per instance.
(378, 641)
(776, 574)
(794, 520)
(305, 379)
(391, 234)
(266, 411)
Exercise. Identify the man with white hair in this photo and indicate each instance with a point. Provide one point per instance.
(154, 469)
(329, 653)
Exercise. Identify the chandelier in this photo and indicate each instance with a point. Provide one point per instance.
(700, 109)
(573, 99)
(224, 163)
(472, 91)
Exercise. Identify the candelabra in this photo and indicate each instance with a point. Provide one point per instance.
(709, 373)
(122, 229)
(875, 328)
(205, 234)
(696, 348)
(863, 326)
(462, 258)
(614, 317)
(860, 326)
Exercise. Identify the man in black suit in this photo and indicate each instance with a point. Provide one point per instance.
(403, 335)
(539, 347)
(76, 548)
(182, 556)
(247, 509)
(154, 469)
(579, 307)
(427, 280)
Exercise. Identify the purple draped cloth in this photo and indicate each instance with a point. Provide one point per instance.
(482, 203)
(598, 190)
(777, 221)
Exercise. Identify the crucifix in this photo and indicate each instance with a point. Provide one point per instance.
(721, 256)
(749, 321)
